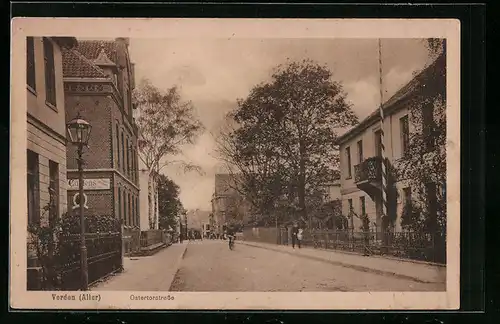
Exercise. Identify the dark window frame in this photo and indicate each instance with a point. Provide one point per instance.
(33, 187)
(362, 205)
(50, 73)
(30, 63)
(404, 130)
(360, 151)
(54, 184)
(349, 162)
(428, 126)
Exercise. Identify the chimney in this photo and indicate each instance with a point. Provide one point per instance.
(123, 40)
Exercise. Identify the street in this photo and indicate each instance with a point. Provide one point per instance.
(210, 266)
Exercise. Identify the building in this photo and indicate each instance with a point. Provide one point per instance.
(227, 202)
(98, 84)
(361, 148)
(46, 132)
(149, 212)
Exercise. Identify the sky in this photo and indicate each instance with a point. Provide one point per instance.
(214, 73)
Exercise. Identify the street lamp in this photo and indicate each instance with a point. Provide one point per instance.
(79, 134)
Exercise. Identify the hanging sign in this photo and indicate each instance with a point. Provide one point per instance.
(76, 201)
(90, 184)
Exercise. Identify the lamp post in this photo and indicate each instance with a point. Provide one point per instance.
(79, 134)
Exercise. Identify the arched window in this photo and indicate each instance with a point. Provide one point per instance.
(128, 158)
(125, 215)
(120, 203)
(118, 145)
(123, 152)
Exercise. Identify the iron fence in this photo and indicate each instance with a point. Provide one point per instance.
(406, 245)
(104, 256)
(403, 244)
(152, 237)
(131, 240)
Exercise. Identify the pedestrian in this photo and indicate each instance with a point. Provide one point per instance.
(299, 236)
(295, 233)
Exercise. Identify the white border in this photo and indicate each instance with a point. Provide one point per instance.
(235, 28)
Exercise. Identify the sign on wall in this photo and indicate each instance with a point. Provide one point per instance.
(90, 184)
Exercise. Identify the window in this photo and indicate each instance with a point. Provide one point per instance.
(50, 74)
(360, 151)
(128, 158)
(54, 187)
(405, 134)
(129, 207)
(125, 209)
(137, 210)
(133, 211)
(406, 196)
(349, 201)
(348, 155)
(118, 145)
(33, 188)
(120, 203)
(30, 64)
(123, 153)
(428, 126)
(431, 193)
(362, 205)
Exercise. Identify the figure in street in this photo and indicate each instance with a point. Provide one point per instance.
(295, 233)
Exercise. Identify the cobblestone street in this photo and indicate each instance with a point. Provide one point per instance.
(211, 266)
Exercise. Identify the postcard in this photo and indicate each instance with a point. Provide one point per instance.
(235, 164)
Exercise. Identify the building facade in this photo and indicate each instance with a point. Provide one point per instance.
(46, 131)
(149, 211)
(227, 202)
(98, 84)
(360, 156)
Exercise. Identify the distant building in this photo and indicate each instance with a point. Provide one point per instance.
(98, 83)
(228, 202)
(361, 148)
(46, 134)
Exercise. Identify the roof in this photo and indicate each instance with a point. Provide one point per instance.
(92, 48)
(77, 65)
(391, 104)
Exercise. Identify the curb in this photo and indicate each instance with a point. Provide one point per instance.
(170, 279)
(347, 265)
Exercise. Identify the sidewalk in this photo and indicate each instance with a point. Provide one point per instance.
(148, 273)
(420, 272)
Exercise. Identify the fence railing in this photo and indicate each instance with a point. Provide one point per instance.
(407, 245)
(131, 240)
(153, 237)
(104, 256)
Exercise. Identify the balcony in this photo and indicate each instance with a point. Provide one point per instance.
(368, 175)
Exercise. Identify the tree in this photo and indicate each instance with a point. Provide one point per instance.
(165, 123)
(283, 145)
(170, 206)
(424, 165)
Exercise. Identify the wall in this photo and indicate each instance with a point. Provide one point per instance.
(52, 116)
(393, 151)
(46, 126)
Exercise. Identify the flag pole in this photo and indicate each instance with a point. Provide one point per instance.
(381, 110)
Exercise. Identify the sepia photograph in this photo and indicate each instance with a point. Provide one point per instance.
(216, 164)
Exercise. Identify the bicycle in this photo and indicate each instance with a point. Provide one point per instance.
(231, 242)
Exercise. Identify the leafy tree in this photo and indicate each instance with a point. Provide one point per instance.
(424, 164)
(169, 204)
(283, 144)
(165, 123)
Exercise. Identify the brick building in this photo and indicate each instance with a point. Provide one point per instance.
(98, 84)
(46, 133)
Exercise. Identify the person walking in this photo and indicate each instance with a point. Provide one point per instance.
(295, 233)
